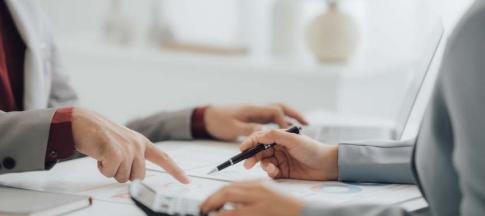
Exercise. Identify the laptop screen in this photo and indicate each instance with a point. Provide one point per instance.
(417, 96)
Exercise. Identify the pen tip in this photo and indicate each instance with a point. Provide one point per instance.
(212, 171)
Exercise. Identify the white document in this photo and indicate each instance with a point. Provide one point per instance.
(234, 173)
(199, 188)
(332, 192)
(191, 155)
(198, 158)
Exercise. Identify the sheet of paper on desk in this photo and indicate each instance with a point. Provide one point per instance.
(197, 159)
(192, 155)
(347, 193)
(199, 188)
(233, 173)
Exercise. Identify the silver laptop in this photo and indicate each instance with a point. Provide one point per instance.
(411, 113)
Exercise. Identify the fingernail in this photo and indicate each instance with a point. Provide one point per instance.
(185, 180)
(269, 168)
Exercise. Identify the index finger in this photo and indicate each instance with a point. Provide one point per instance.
(250, 141)
(277, 136)
(289, 111)
(163, 160)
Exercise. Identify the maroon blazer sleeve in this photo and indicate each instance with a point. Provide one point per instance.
(197, 124)
(61, 141)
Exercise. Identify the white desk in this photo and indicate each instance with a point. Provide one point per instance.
(109, 208)
(81, 176)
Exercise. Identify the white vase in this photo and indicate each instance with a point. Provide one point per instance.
(333, 35)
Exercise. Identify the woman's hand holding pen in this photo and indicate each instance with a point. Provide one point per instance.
(294, 156)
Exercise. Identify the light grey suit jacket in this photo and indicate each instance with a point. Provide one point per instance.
(447, 160)
(24, 135)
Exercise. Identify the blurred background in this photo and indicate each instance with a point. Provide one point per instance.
(355, 57)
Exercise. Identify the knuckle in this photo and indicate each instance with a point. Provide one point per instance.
(226, 191)
(245, 109)
(141, 141)
(122, 179)
(252, 140)
(135, 177)
(117, 154)
(105, 138)
(276, 109)
(279, 104)
(105, 172)
(110, 174)
(136, 142)
(105, 144)
(272, 132)
(225, 194)
(142, 175)
(164, 156)
(135, 148)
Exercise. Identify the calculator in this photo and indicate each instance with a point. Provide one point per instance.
(155, 203)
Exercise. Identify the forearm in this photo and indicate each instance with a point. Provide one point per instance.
(388, 162)
(162, 126)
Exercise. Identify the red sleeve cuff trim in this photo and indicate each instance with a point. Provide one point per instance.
(198, 127)
(61, 140)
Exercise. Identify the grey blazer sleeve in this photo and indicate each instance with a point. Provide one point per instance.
(387, 162)
(164, 126)
(362, 210)
(23, 141)
(464, 78)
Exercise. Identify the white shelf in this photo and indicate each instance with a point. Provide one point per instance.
(231, 64)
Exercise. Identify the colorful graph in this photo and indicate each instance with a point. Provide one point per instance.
(335, 188)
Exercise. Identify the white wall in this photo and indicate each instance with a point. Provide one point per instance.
(127, 82)
(123, 85)
(450, 10)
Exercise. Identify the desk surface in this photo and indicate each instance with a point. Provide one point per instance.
(111, 197)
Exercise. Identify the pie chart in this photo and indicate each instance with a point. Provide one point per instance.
(336, 188)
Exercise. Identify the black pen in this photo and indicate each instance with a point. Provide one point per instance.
(250, 152)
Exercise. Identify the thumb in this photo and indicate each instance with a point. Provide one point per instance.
(247, 129)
